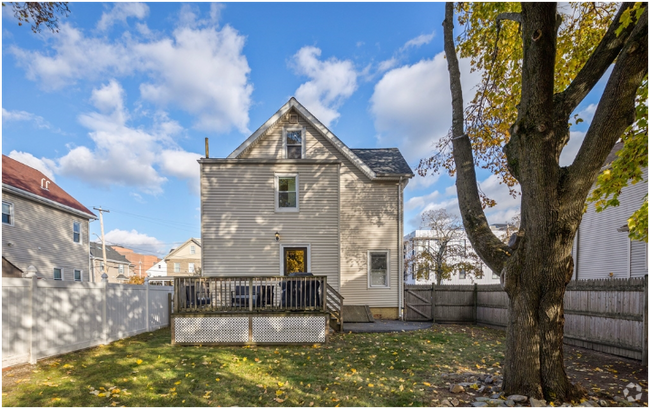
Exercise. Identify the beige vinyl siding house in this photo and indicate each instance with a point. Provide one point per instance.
(185, 260)
(602, 248)
(346, 212)
(46, 228)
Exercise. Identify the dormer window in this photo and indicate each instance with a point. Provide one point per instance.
(294, 143)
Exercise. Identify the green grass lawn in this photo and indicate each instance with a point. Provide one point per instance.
(392, 369)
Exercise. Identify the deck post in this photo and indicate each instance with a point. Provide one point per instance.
(324, 296)
(250, 294)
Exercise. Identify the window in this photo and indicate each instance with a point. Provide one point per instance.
(177, 267)
(76, 232)
(192, 249)
(293, 142)
(462, 274)
(7, 213)
(286, 197)
(120, 269)
(101, 266)
(77, 275)
(190, 267)
(58, 274)
(378, 269)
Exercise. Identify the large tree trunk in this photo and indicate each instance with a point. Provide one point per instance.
(535, 280)
(536, 269)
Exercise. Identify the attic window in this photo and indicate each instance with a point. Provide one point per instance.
(45, 184)
(294, 143)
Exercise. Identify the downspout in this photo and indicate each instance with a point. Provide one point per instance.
(400, 249)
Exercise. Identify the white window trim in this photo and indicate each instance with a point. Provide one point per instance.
(303, 133)
(62, 273)
(81, 275)
(290, 245)
(11, 213)
(191, 268)
(81, 240)
(276, 192)
(179, 267)
(192, 249)
(387, 269)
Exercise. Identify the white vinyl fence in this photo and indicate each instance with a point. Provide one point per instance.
(42, 318)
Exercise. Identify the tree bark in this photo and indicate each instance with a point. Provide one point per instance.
(538, 267)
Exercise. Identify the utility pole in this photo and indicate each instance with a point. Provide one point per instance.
(101, 224)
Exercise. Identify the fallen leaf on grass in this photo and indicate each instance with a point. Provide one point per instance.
(139, 361)
(279, 400)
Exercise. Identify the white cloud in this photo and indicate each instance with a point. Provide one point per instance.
(123, 155)
(182, 165)
(418, 41)
(140, 242)
(507, 206)
(203, 71)
(387, 65)
(572, 147)
(44, 165)
(120, 12)
(331, 83)
(587, 114)
(412, 105)
(419, 182)
(38, 121)
(421, 201)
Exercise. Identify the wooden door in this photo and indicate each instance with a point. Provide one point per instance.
(418, 303)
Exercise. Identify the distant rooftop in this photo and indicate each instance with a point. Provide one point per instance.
(111, 254)
(384, 161)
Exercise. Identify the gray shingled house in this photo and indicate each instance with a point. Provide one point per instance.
(294, 198)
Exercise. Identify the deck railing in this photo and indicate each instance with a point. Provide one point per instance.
(241, 294)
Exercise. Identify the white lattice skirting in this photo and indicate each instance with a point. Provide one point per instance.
(235, 330)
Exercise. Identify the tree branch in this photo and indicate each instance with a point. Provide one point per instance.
(595, 67)
(485, 243)
(614, 114)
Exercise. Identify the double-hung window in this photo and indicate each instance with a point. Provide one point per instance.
(177, 267)
(58, 274)
(294, 143)
(286, 193)
(76, 232)
(77, 275)
(378, 269)
(462, 274)
(7, 213)
(190, 268)
(192, 249)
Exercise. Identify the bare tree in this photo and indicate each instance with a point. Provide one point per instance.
(444, 251)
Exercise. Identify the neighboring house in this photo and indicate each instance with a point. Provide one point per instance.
(602, 248)
(185, 260)
(294, 198)
(158, 270)
(9, 270)
(158, 274)
(42, 225)
(118, 268)
(140, 263)
(419, 240)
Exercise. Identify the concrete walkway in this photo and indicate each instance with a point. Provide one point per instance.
(385, 326)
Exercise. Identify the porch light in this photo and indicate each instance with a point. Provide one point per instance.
(277, 236)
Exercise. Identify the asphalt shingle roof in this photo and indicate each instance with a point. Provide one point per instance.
(96, 251)
(384, 161)
(28, 179)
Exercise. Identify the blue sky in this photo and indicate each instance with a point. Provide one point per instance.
(115, 107)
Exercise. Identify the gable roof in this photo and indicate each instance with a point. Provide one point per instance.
(111, 254)
(26, 181)
(313, 121)
(385, 161)
(174, 251)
